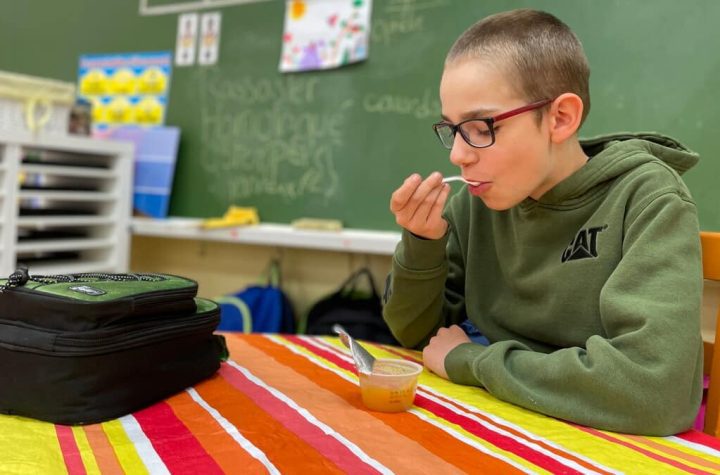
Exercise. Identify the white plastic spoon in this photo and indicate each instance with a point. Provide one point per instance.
(459, 178)
(364, 361)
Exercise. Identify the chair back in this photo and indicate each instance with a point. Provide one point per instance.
(711, 271)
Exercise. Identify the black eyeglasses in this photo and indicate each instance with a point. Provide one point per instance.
(480, 132)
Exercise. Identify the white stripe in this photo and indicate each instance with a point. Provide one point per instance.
(693, 445)
(416, 412)
(248, 446)
(313, 420)
(341, 353)
(144, 447)
(304, 355)
(431, 393)
(471, 442)
(498, 430)
(502, 422)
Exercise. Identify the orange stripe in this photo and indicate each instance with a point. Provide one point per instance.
(569, 455)
(390, 431)
(283, 448)
(102, 449)
(673, 452)
(213, 438)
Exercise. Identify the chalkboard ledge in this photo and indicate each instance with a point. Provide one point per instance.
(268, 234)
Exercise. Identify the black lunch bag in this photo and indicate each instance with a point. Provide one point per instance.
(360, 313)
(85, 348)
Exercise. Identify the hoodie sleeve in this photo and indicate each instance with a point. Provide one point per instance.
(644, 375)
(424, 290)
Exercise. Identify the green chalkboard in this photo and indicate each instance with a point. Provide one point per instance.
(334, 144)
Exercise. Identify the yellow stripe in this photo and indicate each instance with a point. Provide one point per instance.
(685, 449)
(312, 356)
(86, 453)
(124, 449)
(640, 443)
(426, 377)
(489, 447)
(29, 446)
(552, 431)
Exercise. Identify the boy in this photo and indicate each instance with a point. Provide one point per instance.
(579, 261)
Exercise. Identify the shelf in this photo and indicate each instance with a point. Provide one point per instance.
(63, 245)
(65, 221)
(282, 235)
(65, 143)
(59, 170)
(70, 267)
(67, 195)
(88, 180)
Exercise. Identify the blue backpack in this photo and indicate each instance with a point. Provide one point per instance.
(258, 308)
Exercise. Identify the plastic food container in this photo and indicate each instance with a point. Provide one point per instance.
(391, 386)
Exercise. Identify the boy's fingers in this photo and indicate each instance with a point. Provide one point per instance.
(423, 211)
(402, 195)
(439, 205)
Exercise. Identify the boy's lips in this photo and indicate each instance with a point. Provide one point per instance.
(480, 188)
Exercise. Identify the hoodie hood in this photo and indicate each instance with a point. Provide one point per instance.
(616, 154)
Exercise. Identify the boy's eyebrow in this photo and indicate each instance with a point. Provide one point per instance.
(475, 114)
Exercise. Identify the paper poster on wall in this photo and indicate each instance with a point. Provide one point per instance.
(125, 89)
(186, 38)
(324, 34)
(209, 38)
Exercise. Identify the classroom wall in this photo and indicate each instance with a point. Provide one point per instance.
(221, 267)
(308, 275)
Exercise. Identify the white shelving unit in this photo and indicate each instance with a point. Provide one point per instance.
(65, 203)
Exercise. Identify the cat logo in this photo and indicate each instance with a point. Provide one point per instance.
(584, 245)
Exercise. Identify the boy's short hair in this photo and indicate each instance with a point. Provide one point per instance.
(539, 52)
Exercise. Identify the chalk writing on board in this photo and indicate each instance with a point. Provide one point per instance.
(424, 107)
(402, 17)
(259, 137)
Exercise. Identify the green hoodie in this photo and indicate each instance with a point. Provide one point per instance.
(590, 296)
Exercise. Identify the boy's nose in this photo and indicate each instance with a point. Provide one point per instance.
(462, 154)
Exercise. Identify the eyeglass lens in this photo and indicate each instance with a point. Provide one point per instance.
(475, 132)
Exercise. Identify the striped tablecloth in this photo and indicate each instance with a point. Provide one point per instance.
(288, 404)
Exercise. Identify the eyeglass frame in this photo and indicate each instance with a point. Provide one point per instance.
(489, 121)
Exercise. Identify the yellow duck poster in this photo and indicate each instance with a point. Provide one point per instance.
(125, 89)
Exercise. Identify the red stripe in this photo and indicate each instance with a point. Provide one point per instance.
(399, 353)
(700, 438)
(70, 451)
(502, 441)
(590, 464)
(174, 443)
(331, 448)
(638, 449)
(474, 427)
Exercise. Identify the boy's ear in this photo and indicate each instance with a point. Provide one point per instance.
(565, 116)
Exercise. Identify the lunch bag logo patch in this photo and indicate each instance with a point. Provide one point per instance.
(87, 290)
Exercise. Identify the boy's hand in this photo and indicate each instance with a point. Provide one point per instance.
(417, 205)
(440, 345)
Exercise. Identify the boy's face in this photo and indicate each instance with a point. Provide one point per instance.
(519, 164)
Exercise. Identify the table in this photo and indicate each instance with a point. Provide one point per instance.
(291, 404)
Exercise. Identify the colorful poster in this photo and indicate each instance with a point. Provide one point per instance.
(324, 34)
(125, 89)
